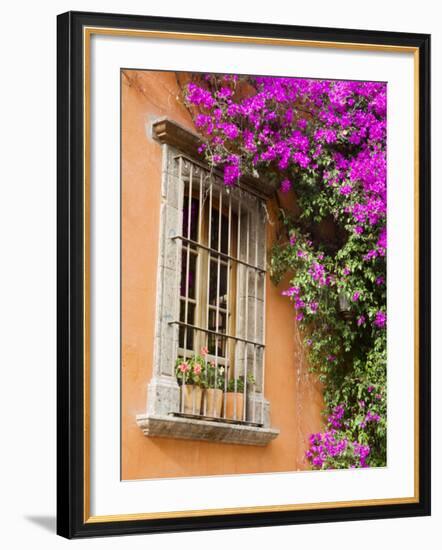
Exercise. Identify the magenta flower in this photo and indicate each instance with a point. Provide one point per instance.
(302, 123)
(372, 417)
(285, 186)
(380, 319)
(317, 272)
(292, 291)
(225, 93)
(346, 190)
(361, 452)
(231, 131)
(199, 96)
(231, 174)
(371, 254)
(360, 320)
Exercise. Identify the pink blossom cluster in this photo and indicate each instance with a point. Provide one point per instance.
(290, 123)
(329, 445)
(334, 130)
(324, 446)
(361, 453)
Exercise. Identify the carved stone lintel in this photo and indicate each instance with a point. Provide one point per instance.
(172, 133)
(169, 132)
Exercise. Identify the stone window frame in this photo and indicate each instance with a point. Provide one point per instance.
(163, 394)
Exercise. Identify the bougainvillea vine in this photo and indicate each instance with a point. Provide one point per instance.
(325, 141)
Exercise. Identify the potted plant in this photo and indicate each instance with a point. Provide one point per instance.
(234, 397)
(190, 375)
(213, 394)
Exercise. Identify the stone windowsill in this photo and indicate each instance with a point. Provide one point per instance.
(205, 430)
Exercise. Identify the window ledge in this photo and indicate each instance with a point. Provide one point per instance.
(205, 430)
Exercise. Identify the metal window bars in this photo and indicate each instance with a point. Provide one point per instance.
(222, 298)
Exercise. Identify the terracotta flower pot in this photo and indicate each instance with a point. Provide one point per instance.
(192, 396)
(213, 402)
(234, 400)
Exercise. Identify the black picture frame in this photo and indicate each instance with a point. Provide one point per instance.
(71, 517)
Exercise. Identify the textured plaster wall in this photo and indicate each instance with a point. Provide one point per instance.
(295, 396)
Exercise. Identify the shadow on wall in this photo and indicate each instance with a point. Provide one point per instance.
(48, 523)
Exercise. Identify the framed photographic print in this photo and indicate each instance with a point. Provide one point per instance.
(238, 345)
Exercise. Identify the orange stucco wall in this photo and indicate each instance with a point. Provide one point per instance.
(294, 394)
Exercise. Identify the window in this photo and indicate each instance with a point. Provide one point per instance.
(210, 294)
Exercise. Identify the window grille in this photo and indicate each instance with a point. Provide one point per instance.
(222, 288)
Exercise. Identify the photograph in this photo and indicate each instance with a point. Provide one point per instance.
(237, 344)
(253, 274)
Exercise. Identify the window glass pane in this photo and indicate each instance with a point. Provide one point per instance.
(215, 231)
(217, 345)
(221, 320)
(194, 214)
(186, 336)
(191, 276)
(213, 283)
